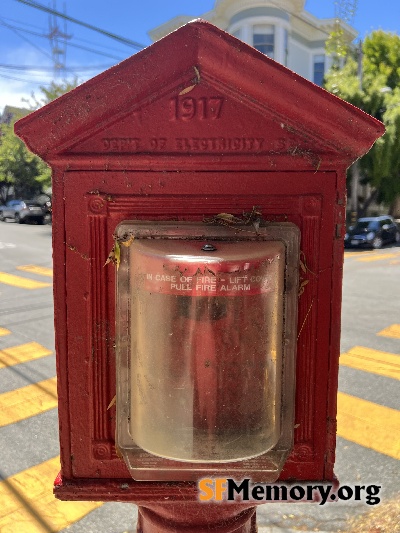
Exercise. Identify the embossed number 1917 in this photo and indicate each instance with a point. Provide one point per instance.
(188, 108)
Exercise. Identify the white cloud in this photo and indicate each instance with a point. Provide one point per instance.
(18, 84)
(12, 92)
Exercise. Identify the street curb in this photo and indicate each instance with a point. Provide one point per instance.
(275, 529)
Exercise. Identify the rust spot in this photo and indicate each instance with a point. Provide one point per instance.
(75, 250)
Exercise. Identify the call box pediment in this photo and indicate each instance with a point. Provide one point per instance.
(200, 91)
(204, 120)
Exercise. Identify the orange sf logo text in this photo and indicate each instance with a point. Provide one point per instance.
(212, 489)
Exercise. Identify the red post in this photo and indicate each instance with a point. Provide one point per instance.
(192, 517)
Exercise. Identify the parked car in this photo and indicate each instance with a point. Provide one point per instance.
(48, 212)
(372, 232)
(44, 200)
(21, 211)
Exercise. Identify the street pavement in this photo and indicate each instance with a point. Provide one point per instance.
(368, 400)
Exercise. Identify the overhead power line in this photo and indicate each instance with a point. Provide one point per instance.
(2, 22)
(30, 81)
(94, 51)
(114, 36)
(47, 69)
(22, 23)
(16, 29)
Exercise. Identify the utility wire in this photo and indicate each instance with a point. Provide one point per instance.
(98, 44)
(23, 80)
(24, 23)
(98, 52)
(41, 35)
(47, 69)
(2, 22)
(24, 38)
(46, 36)
(114, 36)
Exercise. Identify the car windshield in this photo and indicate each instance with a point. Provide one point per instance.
(366, 224)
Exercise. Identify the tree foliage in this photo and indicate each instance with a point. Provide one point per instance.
(21, 171)
(336, 45)
(50, 93)
(377, 93)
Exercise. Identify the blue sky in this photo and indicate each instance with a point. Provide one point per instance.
(23, 30)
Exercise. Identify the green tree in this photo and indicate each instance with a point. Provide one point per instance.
(50, 93)
(377, 93)
(20, 170)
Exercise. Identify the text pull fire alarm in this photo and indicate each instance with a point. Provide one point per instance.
(205, 340)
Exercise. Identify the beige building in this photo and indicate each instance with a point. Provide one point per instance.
(282, 29)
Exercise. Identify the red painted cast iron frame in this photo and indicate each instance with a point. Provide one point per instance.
(197, 124)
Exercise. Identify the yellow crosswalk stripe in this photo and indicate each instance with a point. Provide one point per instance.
(392, 331)
(374, 361)
(377, 257)
(41, 271)
(22, 353)
(368, 424)
(23, 283)
(29, 506)
(27, 401)
(4, 332)
(358, 253)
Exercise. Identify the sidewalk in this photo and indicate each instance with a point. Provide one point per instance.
(384, 518)
(272, 529)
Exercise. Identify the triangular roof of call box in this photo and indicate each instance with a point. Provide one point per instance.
(200, 91)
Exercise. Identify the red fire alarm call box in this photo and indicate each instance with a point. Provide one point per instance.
(218, 178)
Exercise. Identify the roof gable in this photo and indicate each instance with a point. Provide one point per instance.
(199, 90)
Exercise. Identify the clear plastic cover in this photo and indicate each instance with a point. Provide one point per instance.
(206, 337)
(202, 343)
